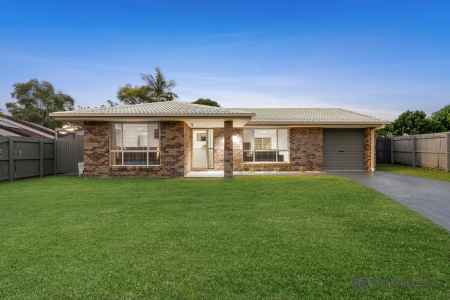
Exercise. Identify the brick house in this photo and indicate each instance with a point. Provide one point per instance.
(170, 139)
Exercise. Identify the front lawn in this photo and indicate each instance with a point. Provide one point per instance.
(419, 172)
(250, 237)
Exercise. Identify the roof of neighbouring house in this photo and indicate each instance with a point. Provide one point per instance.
(331, 116)
(24, 128)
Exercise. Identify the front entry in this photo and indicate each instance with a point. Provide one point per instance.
(202, 149)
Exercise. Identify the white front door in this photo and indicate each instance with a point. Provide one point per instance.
(202, 148)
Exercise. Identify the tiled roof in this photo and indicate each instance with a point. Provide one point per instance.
(309, 116)
(257, 115)
(157, 109)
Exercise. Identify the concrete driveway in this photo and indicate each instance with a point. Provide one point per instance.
(430, 198)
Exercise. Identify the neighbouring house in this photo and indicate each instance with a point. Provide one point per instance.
(175, 138)
(10, 127)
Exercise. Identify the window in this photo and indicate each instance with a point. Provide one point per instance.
(135, 144)
(266, 145)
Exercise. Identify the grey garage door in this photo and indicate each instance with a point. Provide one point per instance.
(344, 149)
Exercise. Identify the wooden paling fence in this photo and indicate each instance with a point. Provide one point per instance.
(30, 157)
(422, 150)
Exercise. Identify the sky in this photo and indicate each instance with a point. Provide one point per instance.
(376, 57)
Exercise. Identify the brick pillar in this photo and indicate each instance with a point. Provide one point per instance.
(228, 149)
(373, 147)
(369, 149)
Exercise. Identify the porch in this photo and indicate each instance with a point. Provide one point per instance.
(209, 154)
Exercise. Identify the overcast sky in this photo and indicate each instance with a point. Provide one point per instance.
(375, 57)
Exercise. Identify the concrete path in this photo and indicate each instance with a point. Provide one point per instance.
(430, 198)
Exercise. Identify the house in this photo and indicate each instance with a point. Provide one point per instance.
(174, 138)
(16, 128)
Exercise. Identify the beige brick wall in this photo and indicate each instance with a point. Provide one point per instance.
(219, 148)
(187, 148)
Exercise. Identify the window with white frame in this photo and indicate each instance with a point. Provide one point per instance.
(135, 144)
(265, 145)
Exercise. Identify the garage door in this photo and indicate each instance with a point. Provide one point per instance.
(344, 149)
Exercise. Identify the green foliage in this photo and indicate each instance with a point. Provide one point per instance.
(35, 100)
(156, 89)
(412, 122)
(441, 119)
(134, 94)
(206, 101)
(244, 238)
(417, 122)
(386, 130)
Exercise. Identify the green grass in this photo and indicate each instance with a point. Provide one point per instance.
(419, 172)
(245, 238)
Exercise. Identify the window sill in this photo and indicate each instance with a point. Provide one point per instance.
(265, 163)
(135, 166)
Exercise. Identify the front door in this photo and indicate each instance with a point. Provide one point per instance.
(202, 149)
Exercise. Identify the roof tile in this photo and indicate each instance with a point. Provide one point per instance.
(257, 115)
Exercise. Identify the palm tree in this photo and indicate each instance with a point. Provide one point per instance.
(160, 89)
(156, 89)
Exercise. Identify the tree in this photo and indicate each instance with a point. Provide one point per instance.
(206, 101)
(156, 89)
(387, 130)
(441, 119)
(110, 103)
(36, 100)
(412, 122)
(134, 94)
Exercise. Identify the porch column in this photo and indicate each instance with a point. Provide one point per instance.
(228, 149)
(373, 141)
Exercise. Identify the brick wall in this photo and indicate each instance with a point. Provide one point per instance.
(172, 148)
(97, 154)
(228, 157)
(96, 148)
(306, 151)
(369, 163)
(306, 148)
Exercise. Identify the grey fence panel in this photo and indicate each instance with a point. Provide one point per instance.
(31, 157)
(49, 158)
(4, 159)
(4, 170)
(383, 150)
(26, 168)
(431, 151)
(423, 150)
(70, 153)
(403, 150)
